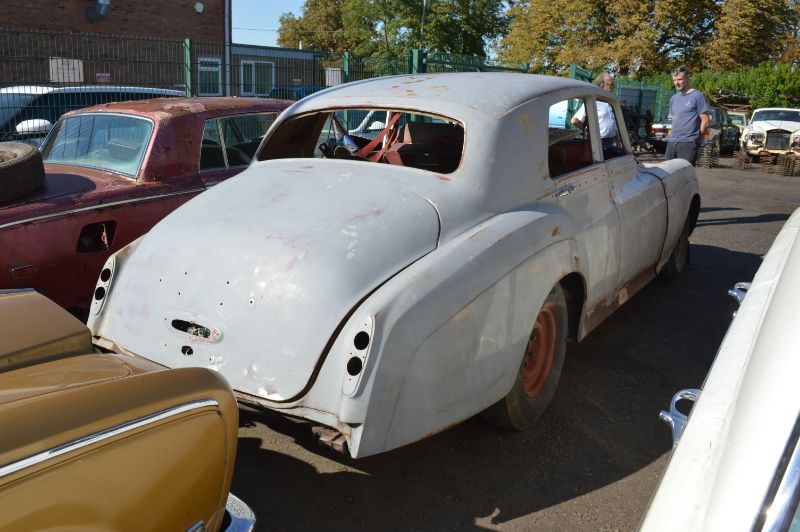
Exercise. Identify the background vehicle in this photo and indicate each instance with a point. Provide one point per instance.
(772, 131)
(294, 92)
(659, 134)
(97, 441)
(735, 463)
(721, 135)
(111, 172)
(27, 113)
(388, 288)
(738, 119)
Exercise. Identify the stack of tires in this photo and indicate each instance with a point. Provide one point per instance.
(708, 155)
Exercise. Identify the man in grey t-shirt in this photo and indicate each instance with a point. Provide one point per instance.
(689, 112)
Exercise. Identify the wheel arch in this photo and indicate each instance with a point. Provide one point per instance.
(694, 212)
(574, 286)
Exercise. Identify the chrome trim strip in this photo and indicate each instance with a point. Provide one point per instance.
(783, 506)
(102, 435)
(242, 517)
(101, 206)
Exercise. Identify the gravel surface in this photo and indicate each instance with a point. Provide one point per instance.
(594, 458)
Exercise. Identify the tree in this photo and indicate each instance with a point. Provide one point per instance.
(391, 27)
(749, 32)
(625, 36)
(455, 26)
(319, 27)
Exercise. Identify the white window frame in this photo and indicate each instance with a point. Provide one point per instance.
(253, 63)
(206, 68)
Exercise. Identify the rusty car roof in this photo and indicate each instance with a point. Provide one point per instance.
(461, 95)
(176, 107)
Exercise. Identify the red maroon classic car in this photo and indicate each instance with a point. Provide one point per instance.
(112, 171)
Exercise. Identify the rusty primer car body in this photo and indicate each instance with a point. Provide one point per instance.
(388, 302)
(95, 441)
(56, 239)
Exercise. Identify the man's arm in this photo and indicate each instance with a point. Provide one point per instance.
(703, 124)
(577, 122)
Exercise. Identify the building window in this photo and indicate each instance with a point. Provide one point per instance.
(209, 76)
(258, 78)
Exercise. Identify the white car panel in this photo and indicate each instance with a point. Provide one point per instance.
(721, 472)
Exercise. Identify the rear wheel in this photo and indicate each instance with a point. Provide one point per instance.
(679, 257)
(538, 374)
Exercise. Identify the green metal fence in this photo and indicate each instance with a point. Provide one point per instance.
(65, 70)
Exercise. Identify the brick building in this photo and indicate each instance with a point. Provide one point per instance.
(182, 44)
(203, 20)
(116, 42)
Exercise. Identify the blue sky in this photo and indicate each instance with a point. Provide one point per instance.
(256, 21)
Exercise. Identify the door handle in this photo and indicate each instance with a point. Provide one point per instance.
(565, 191)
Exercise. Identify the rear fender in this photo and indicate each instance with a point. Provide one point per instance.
(449, 332)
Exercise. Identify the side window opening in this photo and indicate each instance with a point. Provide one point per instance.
(569, 144)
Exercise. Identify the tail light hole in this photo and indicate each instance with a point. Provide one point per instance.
(361, 341)
(354, 366)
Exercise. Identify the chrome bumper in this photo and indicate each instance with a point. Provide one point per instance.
(239, 518)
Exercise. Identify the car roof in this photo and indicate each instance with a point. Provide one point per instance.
(41, 89)
(176, 107)
(461, 94)
(775, 109)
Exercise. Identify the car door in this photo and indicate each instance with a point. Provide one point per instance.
(642, 205)
(580, 186)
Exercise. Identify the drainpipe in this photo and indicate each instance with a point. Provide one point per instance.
(98, 11)
(227, 47)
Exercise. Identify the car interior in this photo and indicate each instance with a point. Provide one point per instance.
(398, 138)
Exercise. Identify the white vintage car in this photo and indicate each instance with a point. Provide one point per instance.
(389, 287)
(772, 130)
(736, 461)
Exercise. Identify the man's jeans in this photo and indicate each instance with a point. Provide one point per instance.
(682, 150)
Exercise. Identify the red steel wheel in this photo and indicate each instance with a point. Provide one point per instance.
(541, 352)
(539, 370)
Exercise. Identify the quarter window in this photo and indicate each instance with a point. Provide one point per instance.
(232, 141)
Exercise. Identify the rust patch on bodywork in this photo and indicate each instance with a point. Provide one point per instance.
(374, 213)
(598, 313)
(556, 231)
(525, 122)
(442, 177)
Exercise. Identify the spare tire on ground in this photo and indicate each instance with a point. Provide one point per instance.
(21, 171)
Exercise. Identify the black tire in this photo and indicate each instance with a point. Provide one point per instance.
(730, 149)
(21, 171)
(679, 257)
(533, 389)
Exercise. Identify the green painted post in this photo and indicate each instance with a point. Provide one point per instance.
(187, 67)
(345, 67)
(417, 61)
